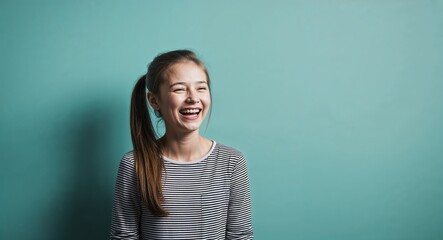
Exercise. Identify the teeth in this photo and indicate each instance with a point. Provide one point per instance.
(190, 111)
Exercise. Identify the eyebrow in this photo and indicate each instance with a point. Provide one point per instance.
(183, 83)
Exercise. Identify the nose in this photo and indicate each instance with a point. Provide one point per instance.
(192, 97)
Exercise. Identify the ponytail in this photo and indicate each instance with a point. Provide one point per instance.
(147, 151)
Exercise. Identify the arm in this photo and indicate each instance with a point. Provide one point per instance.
(239, 223)
(126, 207)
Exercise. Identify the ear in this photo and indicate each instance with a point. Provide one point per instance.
(153, 101)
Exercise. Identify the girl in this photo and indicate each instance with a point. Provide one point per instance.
(181, 185)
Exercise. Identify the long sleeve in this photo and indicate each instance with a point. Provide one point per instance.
(239, 223)
(126, 207)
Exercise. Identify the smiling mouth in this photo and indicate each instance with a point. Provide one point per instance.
(190, 111)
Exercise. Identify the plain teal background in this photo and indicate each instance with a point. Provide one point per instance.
(337, 106)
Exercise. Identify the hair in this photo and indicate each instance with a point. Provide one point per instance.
(149, 166)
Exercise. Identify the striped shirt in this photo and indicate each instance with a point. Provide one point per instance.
(206, 199)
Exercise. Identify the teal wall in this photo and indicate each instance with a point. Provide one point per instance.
(337, 106)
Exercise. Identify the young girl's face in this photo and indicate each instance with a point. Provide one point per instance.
(184, 98)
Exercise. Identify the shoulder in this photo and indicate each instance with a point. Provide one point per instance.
(232, 160)
(127, 160)
(230, 151)
(128, 156)
(229, 154)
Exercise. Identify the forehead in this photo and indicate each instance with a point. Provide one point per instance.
(187, 72)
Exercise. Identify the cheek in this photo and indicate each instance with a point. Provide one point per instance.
(207, 99)
(171, 102)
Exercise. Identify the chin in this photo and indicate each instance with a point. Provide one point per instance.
(193, 128)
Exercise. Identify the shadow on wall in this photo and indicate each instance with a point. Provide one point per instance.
(86, 210)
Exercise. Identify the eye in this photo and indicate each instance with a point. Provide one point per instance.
(202, 88)
(179, 90)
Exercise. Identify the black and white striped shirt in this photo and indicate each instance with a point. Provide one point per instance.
(206, 199)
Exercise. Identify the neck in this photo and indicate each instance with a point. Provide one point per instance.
(185, 147)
